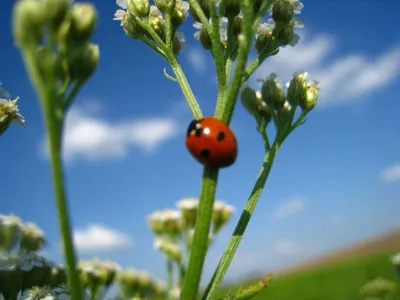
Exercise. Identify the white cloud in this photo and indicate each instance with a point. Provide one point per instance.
(88, 136)
(391, 174)
(287, 247)
(98, 238)
(197, 58)
(290, 208)
(345, 78)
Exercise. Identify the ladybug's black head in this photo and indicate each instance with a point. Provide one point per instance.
(192, 126)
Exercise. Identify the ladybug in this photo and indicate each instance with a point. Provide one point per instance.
(211, 142)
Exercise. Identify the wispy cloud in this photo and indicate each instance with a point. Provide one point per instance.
(98, 238)
(289, 208)
(197, 58)
(342, 78)
(391, 173)
(89, 136)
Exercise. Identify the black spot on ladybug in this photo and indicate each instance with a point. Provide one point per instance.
(192, 126)
(205, 153)
(199, 131)
(220, 136)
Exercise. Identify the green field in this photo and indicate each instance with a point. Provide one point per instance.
(339, 281)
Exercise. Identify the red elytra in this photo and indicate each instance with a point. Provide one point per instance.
(211, 142)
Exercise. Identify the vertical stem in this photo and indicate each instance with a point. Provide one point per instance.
(170, 274)
(200, 240)
(54, 128)
(244, 220)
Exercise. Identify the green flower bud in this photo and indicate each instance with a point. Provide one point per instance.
(222, 213)
(56, 10)
(188, 209)
(237, 25)
(230, 8)
(264, 40)
(83, 21)
(252, 101)
(9, 113)
(156, 223)
(170, 249)
(282, 11)
(58, 276)
(128, 281)
(10, 230)
(29, 21)
(139, 8)
(251, 291)
(131, 27)
(297, 89)
(144, 281)
(159, 288)
(287, 36)
(272, 92)
(179, 14)
(311, 98)
(205, 39)
(32, 238)
(157, 23)
(83, 61)
(178, 44)
(205, 6)
(108, 272)
(165, 5)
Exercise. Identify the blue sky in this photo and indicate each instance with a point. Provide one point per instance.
(335, 181)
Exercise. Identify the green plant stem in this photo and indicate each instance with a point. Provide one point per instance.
(54, 128)
(168, 29)
(242, 224)
(244, 49)
(71, 96)
(176, 67)
(170, 274)
(200, 239)
(194, 4)
(218, 53)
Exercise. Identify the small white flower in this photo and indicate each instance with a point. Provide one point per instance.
(223, 31)
(175, 292)
(266, 27)
(10, 108)
(188, 203)
(155, 12)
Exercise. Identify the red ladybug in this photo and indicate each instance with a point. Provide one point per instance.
(211, 142)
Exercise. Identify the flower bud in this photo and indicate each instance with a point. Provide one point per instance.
(56, 10)
(159, 288)
(297, 89)
(170, 249)
(83, 21)
(222, 213)
(83, 61)
(9, 113)
(58, 276)
(144, 280)
(165, 5)
(179, 43)
(282, 11)
(156, 223)
(28, 23)
(205, 39)
(32, 238)
(179, 13)
(287, 36)
(10, 230)
(205, 6)
(252, 101)
(230, 8)
(311, 98)
(131, 27)
(272, 92)
(172, 222)
(139, 8)
(188, 209)
(128, 281)
(237, 25)
(158, 25)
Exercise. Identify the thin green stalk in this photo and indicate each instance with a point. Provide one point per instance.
(54, 127)
(244, 49)
(71, 96)
(218, 53)
(200, 239)
(170, 274)
(168, 29)
(265, 5)
(187, 91)
(180, 75)
(194, 4)
(242, 224)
